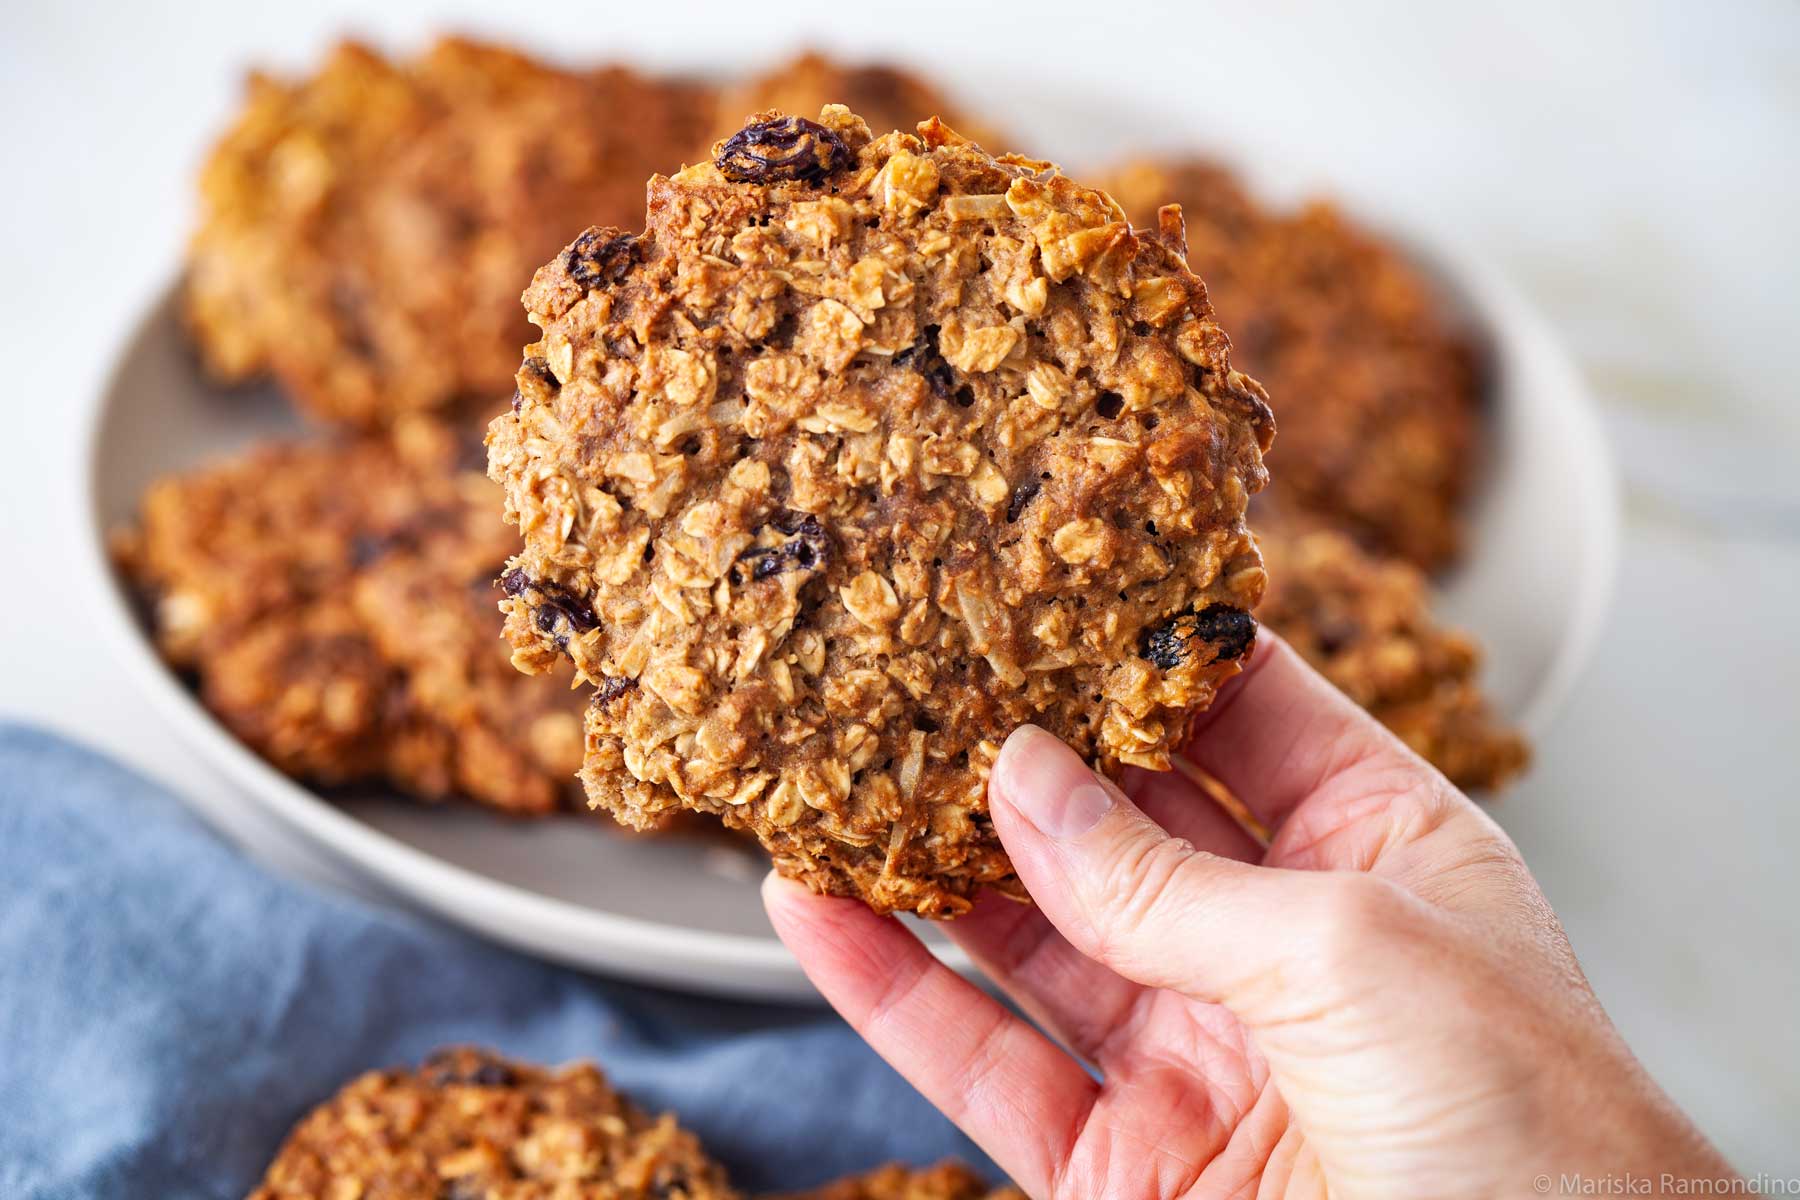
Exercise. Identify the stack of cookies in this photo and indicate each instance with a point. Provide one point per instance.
(1378, 399)
(832, 457)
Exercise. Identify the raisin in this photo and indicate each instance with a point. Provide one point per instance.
(1109, 405)
(600, 256)
(1228, 630)
(536, 375)
(1231, 629)
(922, 358)
(1022, 495)
(672, 1181)
(611, 688)
(807, 548)
(366, 549)
(942, 379)
(782, 150)
(556, 603)
(926, 344)
(467, 1067)
(572, 608)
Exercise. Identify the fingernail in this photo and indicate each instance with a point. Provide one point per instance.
(777, 886)
(1049, 785)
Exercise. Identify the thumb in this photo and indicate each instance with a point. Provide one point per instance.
(1152, 907)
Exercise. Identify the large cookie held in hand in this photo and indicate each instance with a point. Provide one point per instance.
(866, 452)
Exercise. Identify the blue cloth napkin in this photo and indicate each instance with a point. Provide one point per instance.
(168, 1010)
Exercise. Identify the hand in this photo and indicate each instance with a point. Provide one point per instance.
(1380, 1004)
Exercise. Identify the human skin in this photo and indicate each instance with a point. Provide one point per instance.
(1380, 1004)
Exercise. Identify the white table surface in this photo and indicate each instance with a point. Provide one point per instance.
(1634, 167)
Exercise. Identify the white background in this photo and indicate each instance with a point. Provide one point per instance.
(1632, 166)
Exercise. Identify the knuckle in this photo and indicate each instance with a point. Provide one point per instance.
(1356, 915)
(1141, 882)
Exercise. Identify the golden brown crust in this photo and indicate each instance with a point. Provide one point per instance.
(865, 453)
(468, 1125)
(364, 232)
(1365, 622)
(337, 604)
(945, 1181)
(1378, 396)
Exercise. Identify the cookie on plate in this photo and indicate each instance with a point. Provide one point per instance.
(886, 96)
(468, 1124)
(945, 1181)
(1366, 623)
(866, 452)
(336, 603)
(364, 232)
(1378, 395)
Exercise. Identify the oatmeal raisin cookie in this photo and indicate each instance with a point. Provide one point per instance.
(470, 1124)
(1365, 622)
(365, 232)
(867, 451)
(945, 1181)
(1378, 396)
(336, 603)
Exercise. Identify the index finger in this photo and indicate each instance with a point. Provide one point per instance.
(1017, 1094)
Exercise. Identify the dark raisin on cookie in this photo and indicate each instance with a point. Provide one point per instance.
(923, 357)
(541, 370)
(600, 256)
(535, 380)
(807, 548)
(612, 687)
(782, 150)
(1022, 495)
(1229, 630)
(556, 604)
(567, 605)
(468, 1068)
